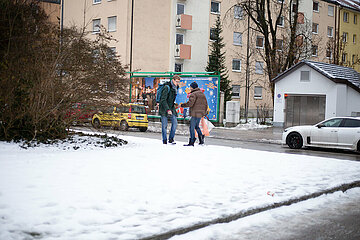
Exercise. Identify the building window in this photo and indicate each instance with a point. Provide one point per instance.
(280, 21)
(179, 38)
(294, 8)
(178, 67)
(355, 19)
(330, 31)
(315, 6)
(345, 37)
(112, 24)
(304, 76)
(344, 57)
(212, 34)
(330, 11)
(314, 50)
(235, 91)
(236, 65)
(96, 25)
(259, 42)
(238, 12)
(258, 92)
(315, 28)
(353, 59)
(180, 9)
(259, 67)
(346, 17)
(279, 44)
(111, 53)
(215, 7)
(97, 1)
(237, 38)
(354, 38)
(328, 53)
(110, 85)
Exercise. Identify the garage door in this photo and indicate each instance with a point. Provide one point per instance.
(304, 109)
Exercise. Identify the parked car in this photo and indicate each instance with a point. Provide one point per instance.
(337, 132)
(80, 113)
(123, 117)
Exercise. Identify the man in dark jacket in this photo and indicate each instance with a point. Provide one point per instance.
(167, 108)
(198, 108)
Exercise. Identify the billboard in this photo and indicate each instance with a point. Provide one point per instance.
(143, 91)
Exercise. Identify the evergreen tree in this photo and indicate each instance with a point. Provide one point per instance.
(216, 61)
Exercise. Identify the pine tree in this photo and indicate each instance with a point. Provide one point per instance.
(216, 61)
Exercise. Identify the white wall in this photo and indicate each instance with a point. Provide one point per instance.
(341, 100)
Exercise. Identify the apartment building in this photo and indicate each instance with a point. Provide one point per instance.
(52, 9)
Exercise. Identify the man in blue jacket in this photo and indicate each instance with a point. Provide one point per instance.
(167, 108)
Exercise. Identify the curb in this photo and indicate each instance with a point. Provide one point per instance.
(243, 214)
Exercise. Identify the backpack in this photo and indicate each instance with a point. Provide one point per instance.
(159, 91)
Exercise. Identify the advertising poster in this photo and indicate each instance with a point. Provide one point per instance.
(143, 91)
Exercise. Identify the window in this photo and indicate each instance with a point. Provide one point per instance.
(345, 37)
(332, 122)
(330, 31)
(110, 85)
(213, 34)
(279, 44)
(280, 21)
(215, 7)
(96, 25)
(259, 42)
(180, 9)
(315, 6)
(314, 50)
(236, 65)
(96, 1)
(346, 17)
(238, 12)
(258, 92)
(111, 53)
(179, 38)
(328, 53)
(237, 38)
(178, 67)
(355, 19)
(353, 59)
(315, 28)
(305, 76)
(294, 8)
(112, 24)
(259, 67)
(354, 38)
(344, 57)
(235, 91)
(352, 123)
(330, 11)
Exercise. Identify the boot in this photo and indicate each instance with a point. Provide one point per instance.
(191, 142)
(172, 141)
(201, 139)
(164, 141)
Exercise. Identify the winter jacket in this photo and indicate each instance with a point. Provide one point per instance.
(167, 100)
(197, 103)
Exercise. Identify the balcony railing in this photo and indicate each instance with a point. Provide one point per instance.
(184, 21)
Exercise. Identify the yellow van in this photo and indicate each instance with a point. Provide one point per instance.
(123, 117)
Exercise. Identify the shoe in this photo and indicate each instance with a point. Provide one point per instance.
(201, 139)
(191, 142)
(164, 142)
(172, 141)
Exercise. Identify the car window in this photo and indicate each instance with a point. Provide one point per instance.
(138, 109)
(333, 122)
(124, 109)
(352, 123)
(109, 110)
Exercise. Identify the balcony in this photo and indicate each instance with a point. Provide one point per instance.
(183, 51)
(184, 21)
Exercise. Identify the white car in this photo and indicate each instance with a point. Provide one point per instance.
(337, 132)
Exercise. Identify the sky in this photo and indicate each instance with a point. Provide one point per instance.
(82, 191)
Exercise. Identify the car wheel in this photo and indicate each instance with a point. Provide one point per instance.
(143, 129)
(358, 147)
(294, 141)
(123, 126)
(96, 123)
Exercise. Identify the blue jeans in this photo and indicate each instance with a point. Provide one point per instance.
(164, 123)
(194, 125)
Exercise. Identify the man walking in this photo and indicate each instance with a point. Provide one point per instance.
(167, 108)
(198, 108)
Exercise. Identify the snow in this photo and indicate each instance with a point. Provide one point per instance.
(146, 188)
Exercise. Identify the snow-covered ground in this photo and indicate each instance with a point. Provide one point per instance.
(145, 187)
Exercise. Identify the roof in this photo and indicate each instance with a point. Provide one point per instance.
(336, 73)
(351, 4)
